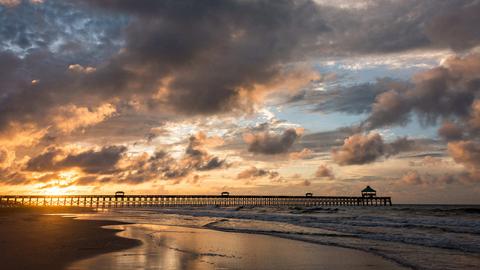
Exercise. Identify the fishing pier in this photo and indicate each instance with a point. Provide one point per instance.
(107, 201)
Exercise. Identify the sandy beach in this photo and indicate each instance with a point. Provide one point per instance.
(35, 239)
(30, 239)
(174, 247)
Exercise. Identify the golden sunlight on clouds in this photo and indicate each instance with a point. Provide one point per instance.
(21, 135)
(71, 117)
(59, 184)
(280, 97)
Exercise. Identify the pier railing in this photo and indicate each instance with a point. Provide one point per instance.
(106, 201)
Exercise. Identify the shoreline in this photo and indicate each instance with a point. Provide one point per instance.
(178, 247)
(56, 238)
(31, 238)
(311, 241)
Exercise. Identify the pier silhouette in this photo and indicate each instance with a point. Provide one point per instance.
(120, 199)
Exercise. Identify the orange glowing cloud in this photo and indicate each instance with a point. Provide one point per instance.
(71, 117)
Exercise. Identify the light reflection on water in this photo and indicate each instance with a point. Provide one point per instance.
(171, 247)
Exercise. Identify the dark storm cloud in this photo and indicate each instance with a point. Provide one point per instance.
(384, 26)
(196, 157)
(45, 161)
(362, 149)
(393, 26)
(102, 161)
(450, 131)
(205, 55)
(456, 27)
(389, 108)
(213, 50)
(270, 144)
(445, 91)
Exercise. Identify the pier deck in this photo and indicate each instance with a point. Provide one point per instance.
(106, 201)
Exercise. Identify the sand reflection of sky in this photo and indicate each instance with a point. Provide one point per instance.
(171, 247)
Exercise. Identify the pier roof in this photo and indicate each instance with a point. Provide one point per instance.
(368, 189)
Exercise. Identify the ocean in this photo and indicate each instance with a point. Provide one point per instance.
(415, 236)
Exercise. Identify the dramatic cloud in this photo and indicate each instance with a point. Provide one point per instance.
(450, 132)
(417, 24)
(196, 157)
(102, 161)
(46, 161)
(254, 172)
(362, 149)
(270, 144)
(456, 27)
(108, 92)
(445, 91)
(162, 165)
(114, 164)
(219, 58)
(389, 107)
(214, 58)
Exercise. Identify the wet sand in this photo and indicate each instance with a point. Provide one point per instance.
(173, 247)
(31, 240)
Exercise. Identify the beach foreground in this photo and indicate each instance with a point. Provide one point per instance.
(36, 239)
(174, 247)
(30, 239)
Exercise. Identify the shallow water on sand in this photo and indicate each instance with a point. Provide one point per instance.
(172, 247)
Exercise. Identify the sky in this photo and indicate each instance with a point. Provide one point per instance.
(246, 96)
